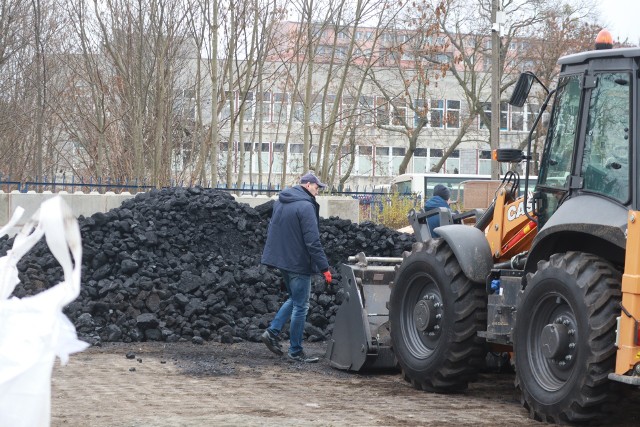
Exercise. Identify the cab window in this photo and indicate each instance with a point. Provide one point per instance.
(556, 167)
(607, 151)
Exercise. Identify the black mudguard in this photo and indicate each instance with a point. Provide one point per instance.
(471, 249)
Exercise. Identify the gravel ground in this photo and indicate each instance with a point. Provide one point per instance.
(182, 384)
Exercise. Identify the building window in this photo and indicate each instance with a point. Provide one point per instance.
(278, 157)
(397, 154)
(366, 110)
(382, 111)
(487, 111)
(504, 115)
(316, 109)
(313, 154)
(184, 104)
(443, 58)
(298, 109)
(532, 113)
(517, 118)
(420, 157)
(347, 110)
(248, 158)
(435, 155)
(345, 159)
(436, 113)
(326, 51)
(280, 110)
(265, 104)
(527, 65)
(365, 160)
(484, 162)
(254, 153)
(383, 53)
(329, 102)
(225, 113)
(262, 152)
(248, 104)
(453, 114)
(452, 164)
(295, 162)
(382, 161)
(420, 112)
(399, 112)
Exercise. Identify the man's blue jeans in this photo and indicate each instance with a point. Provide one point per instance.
(296, 307)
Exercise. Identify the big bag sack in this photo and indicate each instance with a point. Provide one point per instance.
(34, 330)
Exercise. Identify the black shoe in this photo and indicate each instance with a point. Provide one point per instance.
(271, 342)
(302, 357)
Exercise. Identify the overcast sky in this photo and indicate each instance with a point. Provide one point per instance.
(622, 17)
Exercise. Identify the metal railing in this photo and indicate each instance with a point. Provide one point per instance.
(73, 184)
(371, 203)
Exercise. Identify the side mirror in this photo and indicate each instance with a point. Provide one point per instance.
(522, 89)
(508, 155)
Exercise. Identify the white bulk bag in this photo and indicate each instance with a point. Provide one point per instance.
(33, 330)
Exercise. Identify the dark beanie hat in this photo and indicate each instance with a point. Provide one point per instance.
(442, 191)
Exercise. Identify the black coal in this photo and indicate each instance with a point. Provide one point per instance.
(184, 264)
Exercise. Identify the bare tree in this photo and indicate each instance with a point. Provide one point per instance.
(412, 66)
(30, 38)
(468, 30)
(15, 38)
(563, 31)
(143, 42)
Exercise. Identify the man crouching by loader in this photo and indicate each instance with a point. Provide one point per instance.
(293, 246)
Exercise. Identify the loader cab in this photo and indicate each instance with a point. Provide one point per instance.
(592, 155)
(591, 134)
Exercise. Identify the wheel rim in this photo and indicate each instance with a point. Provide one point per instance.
(551, 342)
(421, 318)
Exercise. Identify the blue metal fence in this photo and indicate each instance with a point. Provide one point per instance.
(73, 184)
(371, 201)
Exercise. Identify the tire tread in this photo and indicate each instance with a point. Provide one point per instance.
(464, 355)
(600, 284)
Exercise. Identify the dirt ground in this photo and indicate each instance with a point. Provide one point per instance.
(244, 384)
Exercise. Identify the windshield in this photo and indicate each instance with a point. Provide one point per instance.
(402, 187)
(556, 165)
(605, 164)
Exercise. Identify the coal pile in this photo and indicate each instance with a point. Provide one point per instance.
(184, 264)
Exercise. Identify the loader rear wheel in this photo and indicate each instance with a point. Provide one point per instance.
(565, 342)
(435, 312)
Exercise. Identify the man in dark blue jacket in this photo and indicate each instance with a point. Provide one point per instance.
(440, 199)
(293, 246)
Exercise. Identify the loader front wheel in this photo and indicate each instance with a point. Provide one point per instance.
(435, 312)
(564, 338)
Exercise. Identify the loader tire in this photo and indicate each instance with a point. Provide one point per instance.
(565, 342)
(435, 312)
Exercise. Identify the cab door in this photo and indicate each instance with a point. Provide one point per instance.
(559, 153)
(605, 161)
(592, 155)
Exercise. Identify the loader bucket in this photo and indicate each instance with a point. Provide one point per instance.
(361, 337)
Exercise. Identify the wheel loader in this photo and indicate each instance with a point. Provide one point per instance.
(551, 277)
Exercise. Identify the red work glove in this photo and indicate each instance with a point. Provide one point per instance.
(327, 277)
